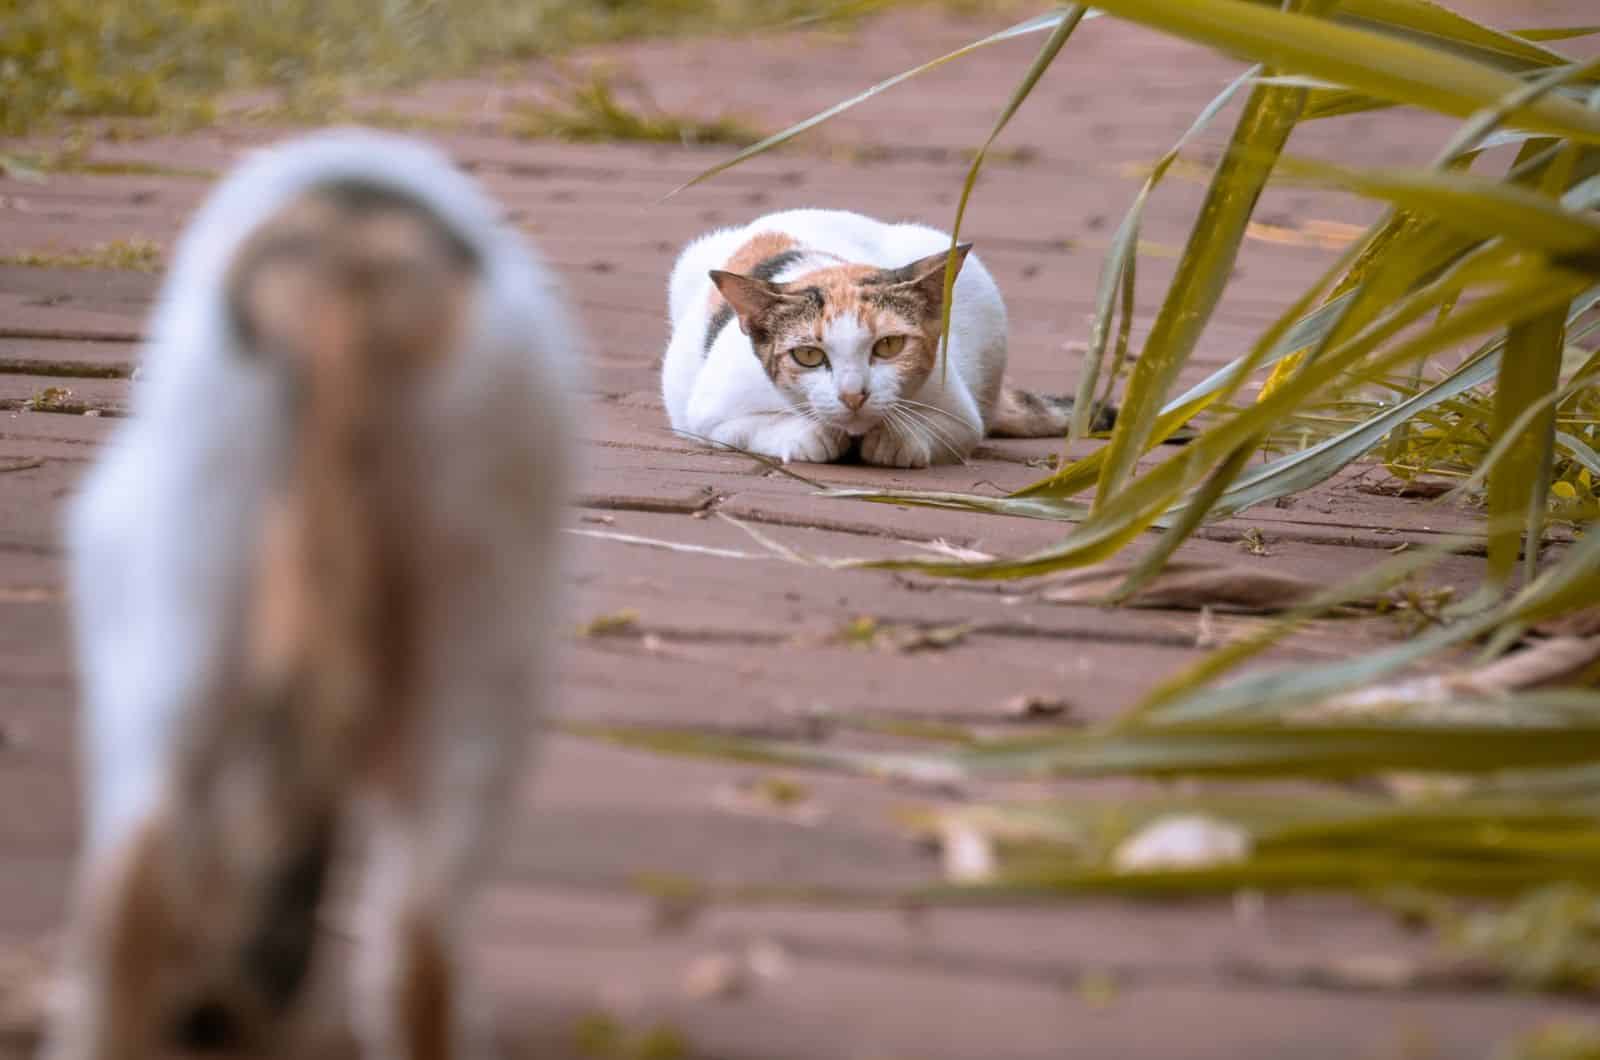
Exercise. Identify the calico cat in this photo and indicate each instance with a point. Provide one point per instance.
(809, 330)
(312, 577)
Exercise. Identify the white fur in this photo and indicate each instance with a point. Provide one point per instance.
(161, 534)
(724, 394)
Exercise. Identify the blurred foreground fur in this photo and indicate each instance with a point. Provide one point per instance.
(313, 577)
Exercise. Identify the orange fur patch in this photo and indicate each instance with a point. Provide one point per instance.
(751, 253)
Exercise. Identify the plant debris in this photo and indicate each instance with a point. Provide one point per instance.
(1182, 842)
(966, 853)
(725, 976)
(136, 255)
(1029, 705)
(1097, 988)
(617, 623)
(602, 106)
(867, 633)
(599, 1035)
(51, 399)
(772, 796)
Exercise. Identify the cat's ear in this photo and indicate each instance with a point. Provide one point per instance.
(927, 274)
(750, 298)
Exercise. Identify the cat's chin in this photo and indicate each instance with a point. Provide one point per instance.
(857, 426)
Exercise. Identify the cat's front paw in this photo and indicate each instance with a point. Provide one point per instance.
(888, 446)
(801, 441)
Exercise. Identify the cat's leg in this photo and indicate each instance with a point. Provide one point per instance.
(105, 1005)
(415, 1001)
(940, 425)
(428, 832)
(680, 367)
(734, 403)
(782, 435)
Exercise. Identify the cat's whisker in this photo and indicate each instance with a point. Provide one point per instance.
(933, 408)
(806, 412)
(923, 421)
(906, 418)
(922, 409)
(905, 424)
(942, 437)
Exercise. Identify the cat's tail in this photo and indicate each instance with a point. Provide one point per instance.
(1022, 413)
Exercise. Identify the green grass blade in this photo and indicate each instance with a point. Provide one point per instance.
(1339, 103)
(1433, 22)
(1272, 750)
(1227, 749)
(1041, 62)
(1529, 372)
(1115, 274)
(1196, 510)
(1269, 117)
(1556, 32)
(1476, 206)
(1051, 508)
(1277, 873)
(1528, 289)
(931, 768)
(1391, 572)
(1370, 62)
(1572, 583)
(1506, 439)
(1485, 121)
(1580, 451)
(1402, 241)
(1038, 24)
(1301, 470)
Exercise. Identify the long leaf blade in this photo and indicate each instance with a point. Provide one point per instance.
(1037, 24)
(1374, 63)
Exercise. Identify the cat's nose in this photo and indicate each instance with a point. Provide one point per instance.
(853, 398)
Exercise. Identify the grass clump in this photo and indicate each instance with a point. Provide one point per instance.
(601, 1036)
(136, 255)
(603, 107)
(1558, 1041)
(174, 58)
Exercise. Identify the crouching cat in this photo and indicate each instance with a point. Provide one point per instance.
(807, 331)
(312, 581)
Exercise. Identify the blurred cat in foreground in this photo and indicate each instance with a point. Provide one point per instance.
(313, 577)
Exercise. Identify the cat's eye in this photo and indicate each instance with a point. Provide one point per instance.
(808, 356)
(889, 346)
